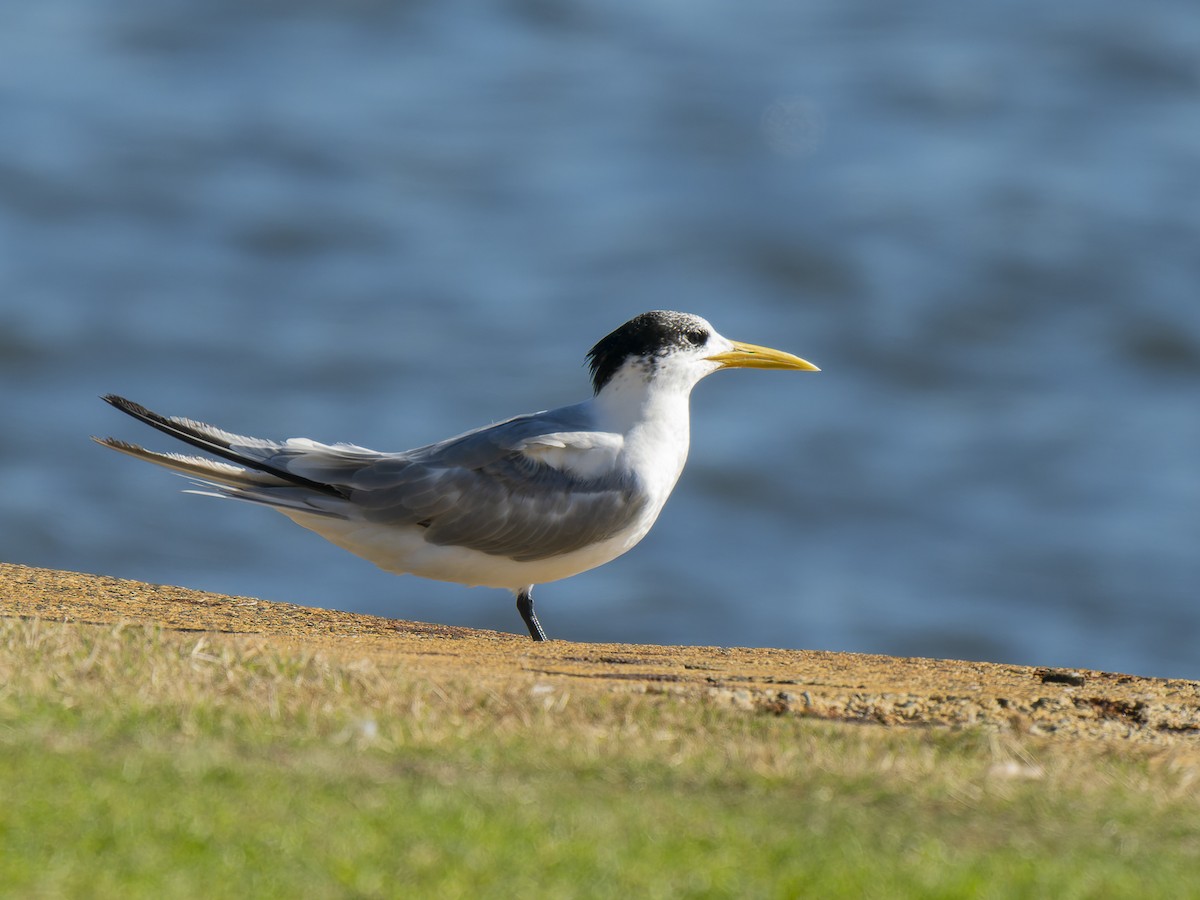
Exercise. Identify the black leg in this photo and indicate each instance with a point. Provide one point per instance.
(525, 608)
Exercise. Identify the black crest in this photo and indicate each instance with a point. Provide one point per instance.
(649, 336)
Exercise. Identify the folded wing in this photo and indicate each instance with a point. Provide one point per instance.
(530, 488)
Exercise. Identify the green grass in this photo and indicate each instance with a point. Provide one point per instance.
(149, 764)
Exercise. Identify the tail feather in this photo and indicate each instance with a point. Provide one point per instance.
(221, 479)
(206, 470)
(248, 452)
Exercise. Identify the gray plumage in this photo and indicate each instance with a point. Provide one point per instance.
(477, 490)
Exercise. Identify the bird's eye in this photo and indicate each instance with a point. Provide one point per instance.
(697, 337)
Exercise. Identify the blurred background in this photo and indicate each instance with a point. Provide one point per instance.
(386, 223)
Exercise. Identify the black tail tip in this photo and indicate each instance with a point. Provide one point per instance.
(128, 406)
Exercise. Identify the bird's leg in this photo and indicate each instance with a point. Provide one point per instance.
(525, 608)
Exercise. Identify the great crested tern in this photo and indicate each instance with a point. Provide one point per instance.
(532, 499)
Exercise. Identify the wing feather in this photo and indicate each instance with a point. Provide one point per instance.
(529, 488)
(507, 502)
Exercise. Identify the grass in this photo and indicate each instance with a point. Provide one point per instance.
(136, 762)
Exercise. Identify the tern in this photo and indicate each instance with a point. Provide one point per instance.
(529, 500)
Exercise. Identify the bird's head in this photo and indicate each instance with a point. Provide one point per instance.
(679, 348)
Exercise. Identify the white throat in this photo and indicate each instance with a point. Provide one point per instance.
(652, 412)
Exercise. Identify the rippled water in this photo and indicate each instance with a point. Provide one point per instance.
(388, 224)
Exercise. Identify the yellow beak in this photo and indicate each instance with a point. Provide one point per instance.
(751, 356)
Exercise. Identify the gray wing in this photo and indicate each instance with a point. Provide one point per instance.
(477, 490)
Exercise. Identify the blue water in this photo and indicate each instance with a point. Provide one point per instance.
(388, 223)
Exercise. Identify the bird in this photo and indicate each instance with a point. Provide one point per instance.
(528, 500)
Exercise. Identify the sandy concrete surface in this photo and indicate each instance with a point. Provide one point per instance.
(1066, 704)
